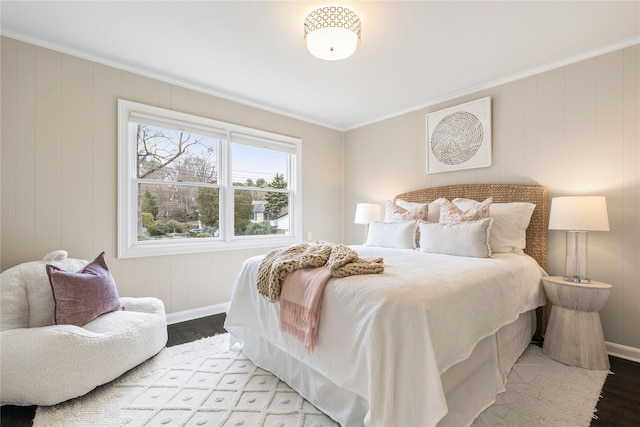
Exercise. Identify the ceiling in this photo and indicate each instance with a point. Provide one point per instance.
(412, 54)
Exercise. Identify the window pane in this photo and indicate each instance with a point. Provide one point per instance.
(177, 212)
(254, 166)
(173, 155)
(178, 172)
(260, 212)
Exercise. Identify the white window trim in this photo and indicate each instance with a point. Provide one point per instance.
(128, 244)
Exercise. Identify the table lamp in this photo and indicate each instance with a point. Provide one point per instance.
(578, 215)
(365, 214)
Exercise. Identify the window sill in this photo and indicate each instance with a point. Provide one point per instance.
(163, 248)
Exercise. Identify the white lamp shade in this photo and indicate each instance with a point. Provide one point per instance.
(367, 212)
(579, 213)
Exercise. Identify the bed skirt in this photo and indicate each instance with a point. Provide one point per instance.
(470, 386)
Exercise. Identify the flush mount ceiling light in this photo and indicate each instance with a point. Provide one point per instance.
(332, 32)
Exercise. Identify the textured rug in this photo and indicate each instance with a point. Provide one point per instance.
(543, 392)
(203, 383)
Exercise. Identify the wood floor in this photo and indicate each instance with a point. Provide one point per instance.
(618, 407)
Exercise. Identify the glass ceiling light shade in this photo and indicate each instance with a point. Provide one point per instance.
(332, 32)
(578, 215)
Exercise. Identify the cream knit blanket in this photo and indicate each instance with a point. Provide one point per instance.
(341, 261)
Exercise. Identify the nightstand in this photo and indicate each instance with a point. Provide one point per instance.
(574, 333)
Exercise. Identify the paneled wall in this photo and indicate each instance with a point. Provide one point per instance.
(574, 129)
(59, 171)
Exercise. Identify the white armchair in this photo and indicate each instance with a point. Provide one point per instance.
(44, 364)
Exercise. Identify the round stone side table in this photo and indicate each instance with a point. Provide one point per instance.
(574, 333)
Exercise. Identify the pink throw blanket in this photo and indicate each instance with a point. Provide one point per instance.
(301, 300)
(300, 303)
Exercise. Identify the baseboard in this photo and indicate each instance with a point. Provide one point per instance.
(196, 313)
(623, 351)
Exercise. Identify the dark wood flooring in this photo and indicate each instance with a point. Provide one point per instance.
(618, 407)
(620, 402)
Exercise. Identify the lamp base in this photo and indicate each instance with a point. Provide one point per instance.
(576, 279)
(576, 266)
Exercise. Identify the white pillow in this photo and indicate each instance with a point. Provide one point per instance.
(469, 238)
(510, 222)
(399, 235)
(433, 213)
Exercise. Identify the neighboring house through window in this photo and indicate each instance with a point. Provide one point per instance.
(192, 184)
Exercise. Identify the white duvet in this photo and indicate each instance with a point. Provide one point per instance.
(388, 337)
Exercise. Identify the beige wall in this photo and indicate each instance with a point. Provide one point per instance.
(574, 129)
(59, 149)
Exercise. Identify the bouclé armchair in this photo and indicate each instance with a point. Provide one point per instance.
(43, 363)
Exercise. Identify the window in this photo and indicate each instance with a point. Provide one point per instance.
(191, 184)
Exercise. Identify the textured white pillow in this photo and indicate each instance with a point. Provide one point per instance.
(469, 238)
(399, 235)
(510, 222)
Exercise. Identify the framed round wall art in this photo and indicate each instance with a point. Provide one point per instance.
(459, 137)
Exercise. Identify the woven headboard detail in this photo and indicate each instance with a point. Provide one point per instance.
(501, 193)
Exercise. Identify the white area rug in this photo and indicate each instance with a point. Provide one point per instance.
(203, 383)
(543, 392)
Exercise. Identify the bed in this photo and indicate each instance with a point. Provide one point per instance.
(428, 342)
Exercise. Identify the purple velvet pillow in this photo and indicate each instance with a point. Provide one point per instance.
(81, 297)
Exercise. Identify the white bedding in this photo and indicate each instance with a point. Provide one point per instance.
(389, 337)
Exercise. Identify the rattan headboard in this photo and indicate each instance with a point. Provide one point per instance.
(501, 193)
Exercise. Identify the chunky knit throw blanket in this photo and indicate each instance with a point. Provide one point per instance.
(341, 261)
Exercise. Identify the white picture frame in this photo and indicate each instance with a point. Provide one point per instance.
(459, 137)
